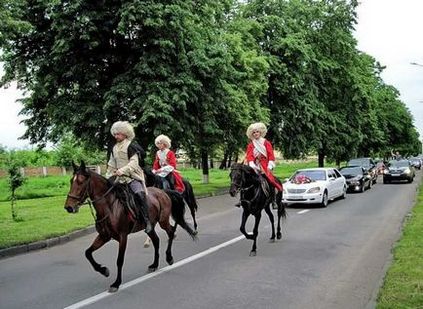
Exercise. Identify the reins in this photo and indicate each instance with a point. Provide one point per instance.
(243, 190)
(85, 199)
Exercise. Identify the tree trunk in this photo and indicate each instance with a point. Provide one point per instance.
(321, 159)
(205, 166)
(224, 163)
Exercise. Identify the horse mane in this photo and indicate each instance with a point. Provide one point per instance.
(246, 169)
(120, 190)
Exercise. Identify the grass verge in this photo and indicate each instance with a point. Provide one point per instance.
(403, 283)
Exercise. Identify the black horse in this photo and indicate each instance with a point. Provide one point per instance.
(153, 180)
(255, 196)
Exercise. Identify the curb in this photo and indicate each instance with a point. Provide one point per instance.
(51, 242)
(47, 243)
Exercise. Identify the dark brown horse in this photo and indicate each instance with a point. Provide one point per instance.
(113, 220)
(255, 197)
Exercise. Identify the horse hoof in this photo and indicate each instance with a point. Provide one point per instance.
(170, 261)
(279, 236)
(253, 253)
(105, 271)
(146, 245)
(195, 233)
(272, 240)
(152, 269)
(113, 289)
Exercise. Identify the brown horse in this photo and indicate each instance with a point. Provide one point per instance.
(113, 220)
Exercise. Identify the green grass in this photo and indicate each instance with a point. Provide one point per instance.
(44, 217)
(37, 187)
(39, 219)
(403, 284)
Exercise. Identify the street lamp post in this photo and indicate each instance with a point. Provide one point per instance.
(415, 63)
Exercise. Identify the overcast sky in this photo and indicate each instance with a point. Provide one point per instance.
(389, 30)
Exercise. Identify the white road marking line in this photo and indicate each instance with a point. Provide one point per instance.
(303, 211)
(197, 256)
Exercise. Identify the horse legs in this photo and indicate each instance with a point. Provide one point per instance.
(253, 251)
(272, 221)
(170, 230)
(281, 213)
(244, 218)
(98, 242)
(156, 244)
(123, 239)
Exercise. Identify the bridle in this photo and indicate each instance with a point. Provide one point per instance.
(85, 199)
(239, 187)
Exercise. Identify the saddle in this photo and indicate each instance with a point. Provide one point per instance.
(125, 195)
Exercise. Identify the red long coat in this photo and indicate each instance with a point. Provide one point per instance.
(263, 161)
(171, 160)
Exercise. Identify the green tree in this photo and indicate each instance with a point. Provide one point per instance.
(15, 180)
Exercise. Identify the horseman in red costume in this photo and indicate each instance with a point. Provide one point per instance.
(165, 165)
(260, 155)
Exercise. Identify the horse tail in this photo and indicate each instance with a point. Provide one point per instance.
(178, 212)
(189, 196)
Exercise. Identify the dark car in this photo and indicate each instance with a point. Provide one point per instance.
(368, 164)
(398, 170)
(357, 177)
(416, 162)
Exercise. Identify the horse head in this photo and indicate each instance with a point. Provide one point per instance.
(241, 176)
(79, 188)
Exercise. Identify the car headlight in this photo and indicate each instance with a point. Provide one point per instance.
(407, 171)
(314, 190)
(386, 171)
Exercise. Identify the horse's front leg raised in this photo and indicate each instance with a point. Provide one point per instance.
(98, 242)
(253, 251)
(123, 239)
(245, 215)
(272, 221)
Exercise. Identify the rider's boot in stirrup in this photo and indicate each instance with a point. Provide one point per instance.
(143, 207)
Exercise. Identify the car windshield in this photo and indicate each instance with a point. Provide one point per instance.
(351, 170)
(401, 163)
(359, 162)
(313, 175)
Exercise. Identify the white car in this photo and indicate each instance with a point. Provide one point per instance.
(314, 186)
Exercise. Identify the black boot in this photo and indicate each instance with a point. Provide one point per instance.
(143, 210)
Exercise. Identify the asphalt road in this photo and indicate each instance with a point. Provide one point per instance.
(332, 257)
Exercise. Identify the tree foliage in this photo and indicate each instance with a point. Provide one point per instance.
(200, 72)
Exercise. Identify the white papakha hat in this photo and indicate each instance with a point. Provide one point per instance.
(164, 140)
(257, 126)
(123, 127)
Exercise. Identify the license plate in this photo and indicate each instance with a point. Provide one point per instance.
(297, 197)
(395, 175)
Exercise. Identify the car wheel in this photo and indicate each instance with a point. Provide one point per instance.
(410, 180)
(344, 193)
(362, 188)
(325, 200)
(385, 181)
